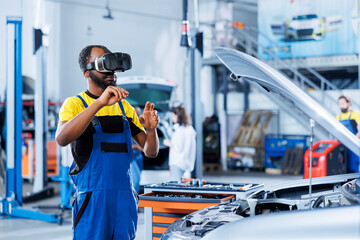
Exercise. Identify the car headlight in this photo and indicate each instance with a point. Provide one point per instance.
(176, 232)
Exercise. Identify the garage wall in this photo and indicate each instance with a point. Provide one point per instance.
(149, 31)
(15, 8)
(39, 14)
(152, 40)
(214, 16)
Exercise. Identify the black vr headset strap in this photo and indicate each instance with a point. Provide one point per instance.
(88, 66)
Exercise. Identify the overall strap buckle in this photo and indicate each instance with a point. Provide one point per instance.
(122, 110)
(95, 121)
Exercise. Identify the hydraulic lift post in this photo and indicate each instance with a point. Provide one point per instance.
(12, 204)
(41, 189)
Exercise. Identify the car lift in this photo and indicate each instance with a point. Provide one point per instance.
(41, 189)
(12, 204)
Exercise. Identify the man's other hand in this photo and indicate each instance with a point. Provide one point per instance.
(149, 119)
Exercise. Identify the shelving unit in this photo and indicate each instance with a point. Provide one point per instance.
(28, 148)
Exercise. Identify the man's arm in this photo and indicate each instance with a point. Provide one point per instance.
(148, 141)
(68, 131)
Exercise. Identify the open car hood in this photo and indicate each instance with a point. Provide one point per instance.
(250, 68)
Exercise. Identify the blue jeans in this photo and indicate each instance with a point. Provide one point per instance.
(176, 173)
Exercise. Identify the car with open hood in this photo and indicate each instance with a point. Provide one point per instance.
(319, 208)
(331, 192)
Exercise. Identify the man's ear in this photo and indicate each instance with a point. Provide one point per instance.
(86, 74)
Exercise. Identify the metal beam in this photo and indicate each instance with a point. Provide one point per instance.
(14, 109)
(11, 205)
(41, 108)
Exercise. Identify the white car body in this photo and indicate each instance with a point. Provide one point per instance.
(258, 217)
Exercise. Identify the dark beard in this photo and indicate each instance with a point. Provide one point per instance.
(344, 110)
(101, 81)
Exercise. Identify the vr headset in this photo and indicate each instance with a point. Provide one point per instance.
(110, 62)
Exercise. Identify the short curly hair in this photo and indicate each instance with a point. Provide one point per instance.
(84, 55)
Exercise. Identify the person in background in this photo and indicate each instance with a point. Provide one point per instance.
(350, 119)
(137, 163)
(182, 145)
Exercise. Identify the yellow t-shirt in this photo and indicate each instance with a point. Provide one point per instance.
(110, 118)
(344, 116)
(73, 106)
(354, 118)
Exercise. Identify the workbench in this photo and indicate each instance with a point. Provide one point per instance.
(166, 202)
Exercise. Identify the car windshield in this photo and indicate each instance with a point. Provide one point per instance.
(139, 97)
(304, 17)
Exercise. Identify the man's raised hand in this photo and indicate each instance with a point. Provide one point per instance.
(111, 95)
(149, 119)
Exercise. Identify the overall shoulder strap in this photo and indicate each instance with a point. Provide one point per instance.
(122, 109)
(83, 101)
(95, 120)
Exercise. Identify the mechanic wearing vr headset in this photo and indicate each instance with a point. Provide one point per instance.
(99, 124)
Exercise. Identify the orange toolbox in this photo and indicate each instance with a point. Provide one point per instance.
(28, 160)
(166, 202)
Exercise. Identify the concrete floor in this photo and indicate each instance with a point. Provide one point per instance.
(16, 229)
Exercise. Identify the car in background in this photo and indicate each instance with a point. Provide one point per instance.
(306, 27)
(160, 92)
(282, 211)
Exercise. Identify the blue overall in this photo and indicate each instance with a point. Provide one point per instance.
(353, 159)
(105, 204)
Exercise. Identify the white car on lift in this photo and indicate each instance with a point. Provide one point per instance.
(306, 27)
(303, 27)
(160, 92)
(282, 211)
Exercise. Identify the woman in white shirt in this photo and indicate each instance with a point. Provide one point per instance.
(182, 145)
